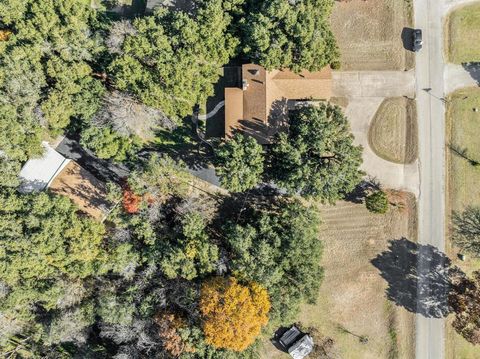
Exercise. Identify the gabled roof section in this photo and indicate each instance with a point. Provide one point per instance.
(37, 173)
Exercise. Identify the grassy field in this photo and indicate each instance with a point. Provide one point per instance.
(463, 127)
(393, 131)
(369, 34)
(462, 34)
(352, 298)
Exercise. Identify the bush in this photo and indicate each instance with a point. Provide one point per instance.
(377, 202)
(108, 144)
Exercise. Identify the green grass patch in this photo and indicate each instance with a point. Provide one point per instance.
(463, 34)
(463, 128)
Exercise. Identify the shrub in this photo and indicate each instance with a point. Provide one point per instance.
(377, 202)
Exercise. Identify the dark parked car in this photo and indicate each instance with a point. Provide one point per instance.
(417, 40)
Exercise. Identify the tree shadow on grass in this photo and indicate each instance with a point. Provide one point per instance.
(473, 68)
(419, 277)
(362, 190)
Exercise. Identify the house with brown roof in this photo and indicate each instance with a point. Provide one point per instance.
(260, 106)
(65, 177)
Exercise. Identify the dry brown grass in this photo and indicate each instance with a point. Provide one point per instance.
(463, 125)
(369, 34)
(462, 30)
(352, 295)
(393, 131)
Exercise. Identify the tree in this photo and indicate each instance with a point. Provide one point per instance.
(54, 40)
(168, 326)
(466, 230)
(279, 248)
(130, 118)
(233, 314)
(316, 157)
(161, 178)
(108, 144)
(48, 255)
(464, 298)
(290, 34)
(190, 253)
(377, 202)
(239, 163)
(172, 61)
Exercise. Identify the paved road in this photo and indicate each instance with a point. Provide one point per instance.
(430, 89)
(431, 73)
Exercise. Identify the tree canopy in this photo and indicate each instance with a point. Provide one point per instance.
(290, 34)
(466, 230)
(278, 247)
(233, 313)
(47, 251)
(316, 157)
(172, 61)
(464, 298)
(45, 64)
(239, 163)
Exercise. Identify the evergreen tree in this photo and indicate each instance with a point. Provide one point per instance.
(279, 248)
(316, 157)
(290, 34)
(377, 202)
(239, 163)
(172, 61)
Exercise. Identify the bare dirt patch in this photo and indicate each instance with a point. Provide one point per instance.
(393, 131)
(369, 34)
(352, 299)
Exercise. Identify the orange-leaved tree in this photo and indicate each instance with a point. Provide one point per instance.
(168, 326)
(233, 313)
(131, 201)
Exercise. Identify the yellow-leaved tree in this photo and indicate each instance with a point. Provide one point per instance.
(233, 313)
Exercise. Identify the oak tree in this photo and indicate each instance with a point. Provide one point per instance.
(290, 34)
(316, 157)
(239, 163)
(233, 314)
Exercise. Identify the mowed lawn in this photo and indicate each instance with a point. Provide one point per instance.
(393, 131)
(463, 129)
(463, 34)
(369, 34)
(352, 299)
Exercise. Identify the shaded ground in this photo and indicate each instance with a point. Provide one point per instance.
(424, 293)
(369, 34)
(462, 32)
(101, 169)
(393, 131)
(463, 128)
(352, 301)
(231, 77)
(86, 191)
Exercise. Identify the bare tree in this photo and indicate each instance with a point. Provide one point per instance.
(118, 33)
(128, 117)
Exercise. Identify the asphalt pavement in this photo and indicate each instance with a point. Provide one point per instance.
(430, 332)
